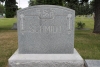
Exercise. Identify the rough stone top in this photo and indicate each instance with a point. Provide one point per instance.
(45, 6)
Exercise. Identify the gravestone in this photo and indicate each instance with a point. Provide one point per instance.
(14, 27)
(1, 16)
(46, 38)
(92, 63)
(46, 30)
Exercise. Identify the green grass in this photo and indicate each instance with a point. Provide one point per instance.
(6, 23)
(86, 42)
(88, 21)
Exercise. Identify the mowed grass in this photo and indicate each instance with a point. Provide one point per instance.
(8, 45)
(86, 42)
(8, 40)
(6, 23)
(89, 22)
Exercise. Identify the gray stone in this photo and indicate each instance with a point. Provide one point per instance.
(1, 16)
(14, 26)
(92, 63)
(46, 38)
(46, 60)
(46, 29)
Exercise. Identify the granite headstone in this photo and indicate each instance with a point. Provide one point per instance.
(92, 63)
(46, 30)
(14, 27)
(46, 38)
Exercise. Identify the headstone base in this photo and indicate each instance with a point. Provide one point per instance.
(46, 60)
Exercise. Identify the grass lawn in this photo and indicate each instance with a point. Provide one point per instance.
(86, 42)
(6, 24)
(88, 21)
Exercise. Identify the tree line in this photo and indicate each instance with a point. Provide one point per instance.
(80, 7)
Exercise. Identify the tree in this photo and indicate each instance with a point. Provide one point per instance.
(97, 17)
(10, 8)
(1, 9)
(2, 1)
(92, 5)
(73, 4)
(31, 2)
(86, 9)
(79, 7)
(49, 2)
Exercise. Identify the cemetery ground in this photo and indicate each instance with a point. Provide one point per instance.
(86, 42)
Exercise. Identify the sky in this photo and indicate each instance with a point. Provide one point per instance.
(24, 3)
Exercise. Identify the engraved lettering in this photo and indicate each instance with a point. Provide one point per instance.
(45, 29)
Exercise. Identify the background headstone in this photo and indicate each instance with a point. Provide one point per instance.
(1, 16)
(46, 30)
(14, 27)
(92, 63)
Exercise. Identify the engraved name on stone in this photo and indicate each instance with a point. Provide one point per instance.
(44, 29)
(45, 14)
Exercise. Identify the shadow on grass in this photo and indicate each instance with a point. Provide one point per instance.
(6, 28)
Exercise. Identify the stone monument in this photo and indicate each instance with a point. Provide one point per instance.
(46, 38)
(14, 27)
(92, 63)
